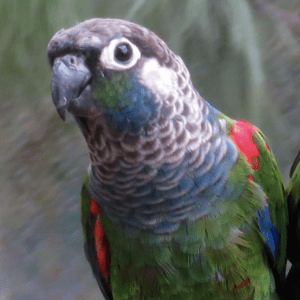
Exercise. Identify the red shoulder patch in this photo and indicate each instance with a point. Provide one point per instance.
(101, 241)
(242, 135)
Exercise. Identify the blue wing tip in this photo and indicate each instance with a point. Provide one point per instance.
(268, 229)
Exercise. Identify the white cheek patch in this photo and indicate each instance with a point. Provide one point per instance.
(107, 57)
(157, 78)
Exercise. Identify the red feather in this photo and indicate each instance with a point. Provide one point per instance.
(101, 241)
(242, 135)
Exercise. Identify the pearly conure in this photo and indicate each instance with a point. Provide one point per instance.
(180, 202)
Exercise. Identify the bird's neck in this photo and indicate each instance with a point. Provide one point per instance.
(179, 127)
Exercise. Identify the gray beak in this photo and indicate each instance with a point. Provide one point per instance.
(70, 85)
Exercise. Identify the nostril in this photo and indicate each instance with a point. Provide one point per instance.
(72, 60)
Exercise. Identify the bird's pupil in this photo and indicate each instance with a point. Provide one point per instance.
(123, 52)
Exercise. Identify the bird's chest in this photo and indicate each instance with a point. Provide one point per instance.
(144, 197)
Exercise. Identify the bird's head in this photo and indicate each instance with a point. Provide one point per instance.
(118, 70)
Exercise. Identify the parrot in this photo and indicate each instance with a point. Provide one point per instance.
(180, 201)
(293, 232)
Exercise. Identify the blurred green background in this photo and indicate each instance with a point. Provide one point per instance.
(244, 57)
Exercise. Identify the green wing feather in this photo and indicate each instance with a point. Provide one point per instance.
(269, 177)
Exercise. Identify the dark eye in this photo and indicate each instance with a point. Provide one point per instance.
(123, 53)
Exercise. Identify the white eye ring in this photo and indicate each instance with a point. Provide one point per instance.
(107, 57)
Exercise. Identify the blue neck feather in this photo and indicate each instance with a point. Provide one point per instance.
(139, 111)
